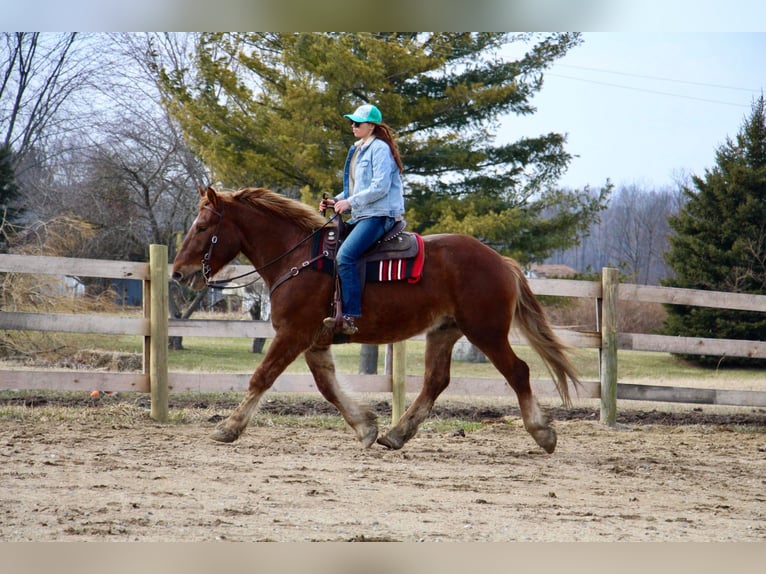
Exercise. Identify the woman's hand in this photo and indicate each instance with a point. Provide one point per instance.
(342, 205)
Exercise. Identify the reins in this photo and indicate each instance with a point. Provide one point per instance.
(223, 283)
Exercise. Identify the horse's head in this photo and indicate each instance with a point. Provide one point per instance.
(211, 243)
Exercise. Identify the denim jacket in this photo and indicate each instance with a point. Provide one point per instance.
(377, 182)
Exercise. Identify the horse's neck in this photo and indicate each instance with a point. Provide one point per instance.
(270, 245)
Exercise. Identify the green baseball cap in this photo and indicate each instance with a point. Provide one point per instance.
(366, 114)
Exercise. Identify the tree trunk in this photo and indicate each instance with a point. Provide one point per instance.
(255, 314)
(176, 343)
(465, 351)
(368, 360)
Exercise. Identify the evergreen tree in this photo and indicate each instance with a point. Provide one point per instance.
(9, 194)
(720, 240)
(266, 109)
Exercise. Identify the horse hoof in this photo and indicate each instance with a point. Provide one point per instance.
(390, 442)
(369, 439)
(546, 438)
(223, 434)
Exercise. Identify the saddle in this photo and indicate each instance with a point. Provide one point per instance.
(397, 256)
(403, 250)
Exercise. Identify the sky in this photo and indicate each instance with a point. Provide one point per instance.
(648, 109)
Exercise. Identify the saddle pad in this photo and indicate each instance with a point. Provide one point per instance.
(399, 269)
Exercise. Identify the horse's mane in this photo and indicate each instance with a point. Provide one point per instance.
(299, 213)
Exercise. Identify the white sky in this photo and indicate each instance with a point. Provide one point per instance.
(646, 108)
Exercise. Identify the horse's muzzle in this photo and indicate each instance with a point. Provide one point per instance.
(193, 279)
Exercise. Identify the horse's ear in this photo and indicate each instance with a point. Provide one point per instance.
(201, 190)
(212, 197)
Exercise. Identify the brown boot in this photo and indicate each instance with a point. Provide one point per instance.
(347, 326)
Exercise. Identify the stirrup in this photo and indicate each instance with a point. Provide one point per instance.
(346, 326)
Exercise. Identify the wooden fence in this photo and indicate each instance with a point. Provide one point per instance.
(155, 327)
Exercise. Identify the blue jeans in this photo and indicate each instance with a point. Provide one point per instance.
(363, 234)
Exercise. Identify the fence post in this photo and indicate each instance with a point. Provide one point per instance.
(398, 380)
(608, 349)
(158, 318)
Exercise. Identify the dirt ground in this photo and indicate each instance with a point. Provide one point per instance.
(104, 471)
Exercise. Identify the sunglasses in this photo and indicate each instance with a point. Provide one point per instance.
(356, 124)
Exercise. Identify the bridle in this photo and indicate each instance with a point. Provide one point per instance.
(213, 241)
(223, 284)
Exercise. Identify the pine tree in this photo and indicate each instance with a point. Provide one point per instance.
(9, 194)
(720, 240)
(267, 109)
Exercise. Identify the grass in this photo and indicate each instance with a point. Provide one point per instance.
(115, 414)
(128, 414)
(232, 355)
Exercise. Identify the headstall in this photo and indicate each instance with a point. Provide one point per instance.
(223, 284)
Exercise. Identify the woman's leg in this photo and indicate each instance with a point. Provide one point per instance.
(364, 233)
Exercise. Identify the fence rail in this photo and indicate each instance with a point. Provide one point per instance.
(155, 327)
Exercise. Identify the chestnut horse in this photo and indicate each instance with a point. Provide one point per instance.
(466, 288)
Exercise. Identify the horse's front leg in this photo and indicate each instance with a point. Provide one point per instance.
(280, 354)
(360, 418)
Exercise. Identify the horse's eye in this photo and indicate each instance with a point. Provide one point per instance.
(201, 229)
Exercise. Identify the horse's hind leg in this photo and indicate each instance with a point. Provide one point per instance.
(516, 372)
(438, 357)
(359, 418)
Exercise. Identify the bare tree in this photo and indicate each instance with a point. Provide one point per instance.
(590, 252)
(638, 231)
(632, 234)
(93, 140)
(127, 170)
(39, 74)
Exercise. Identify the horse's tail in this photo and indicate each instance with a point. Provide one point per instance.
(529, 318)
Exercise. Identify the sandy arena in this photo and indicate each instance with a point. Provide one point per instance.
(106, 472)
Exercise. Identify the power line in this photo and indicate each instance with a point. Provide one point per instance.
(659, 78)
(648, 91)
